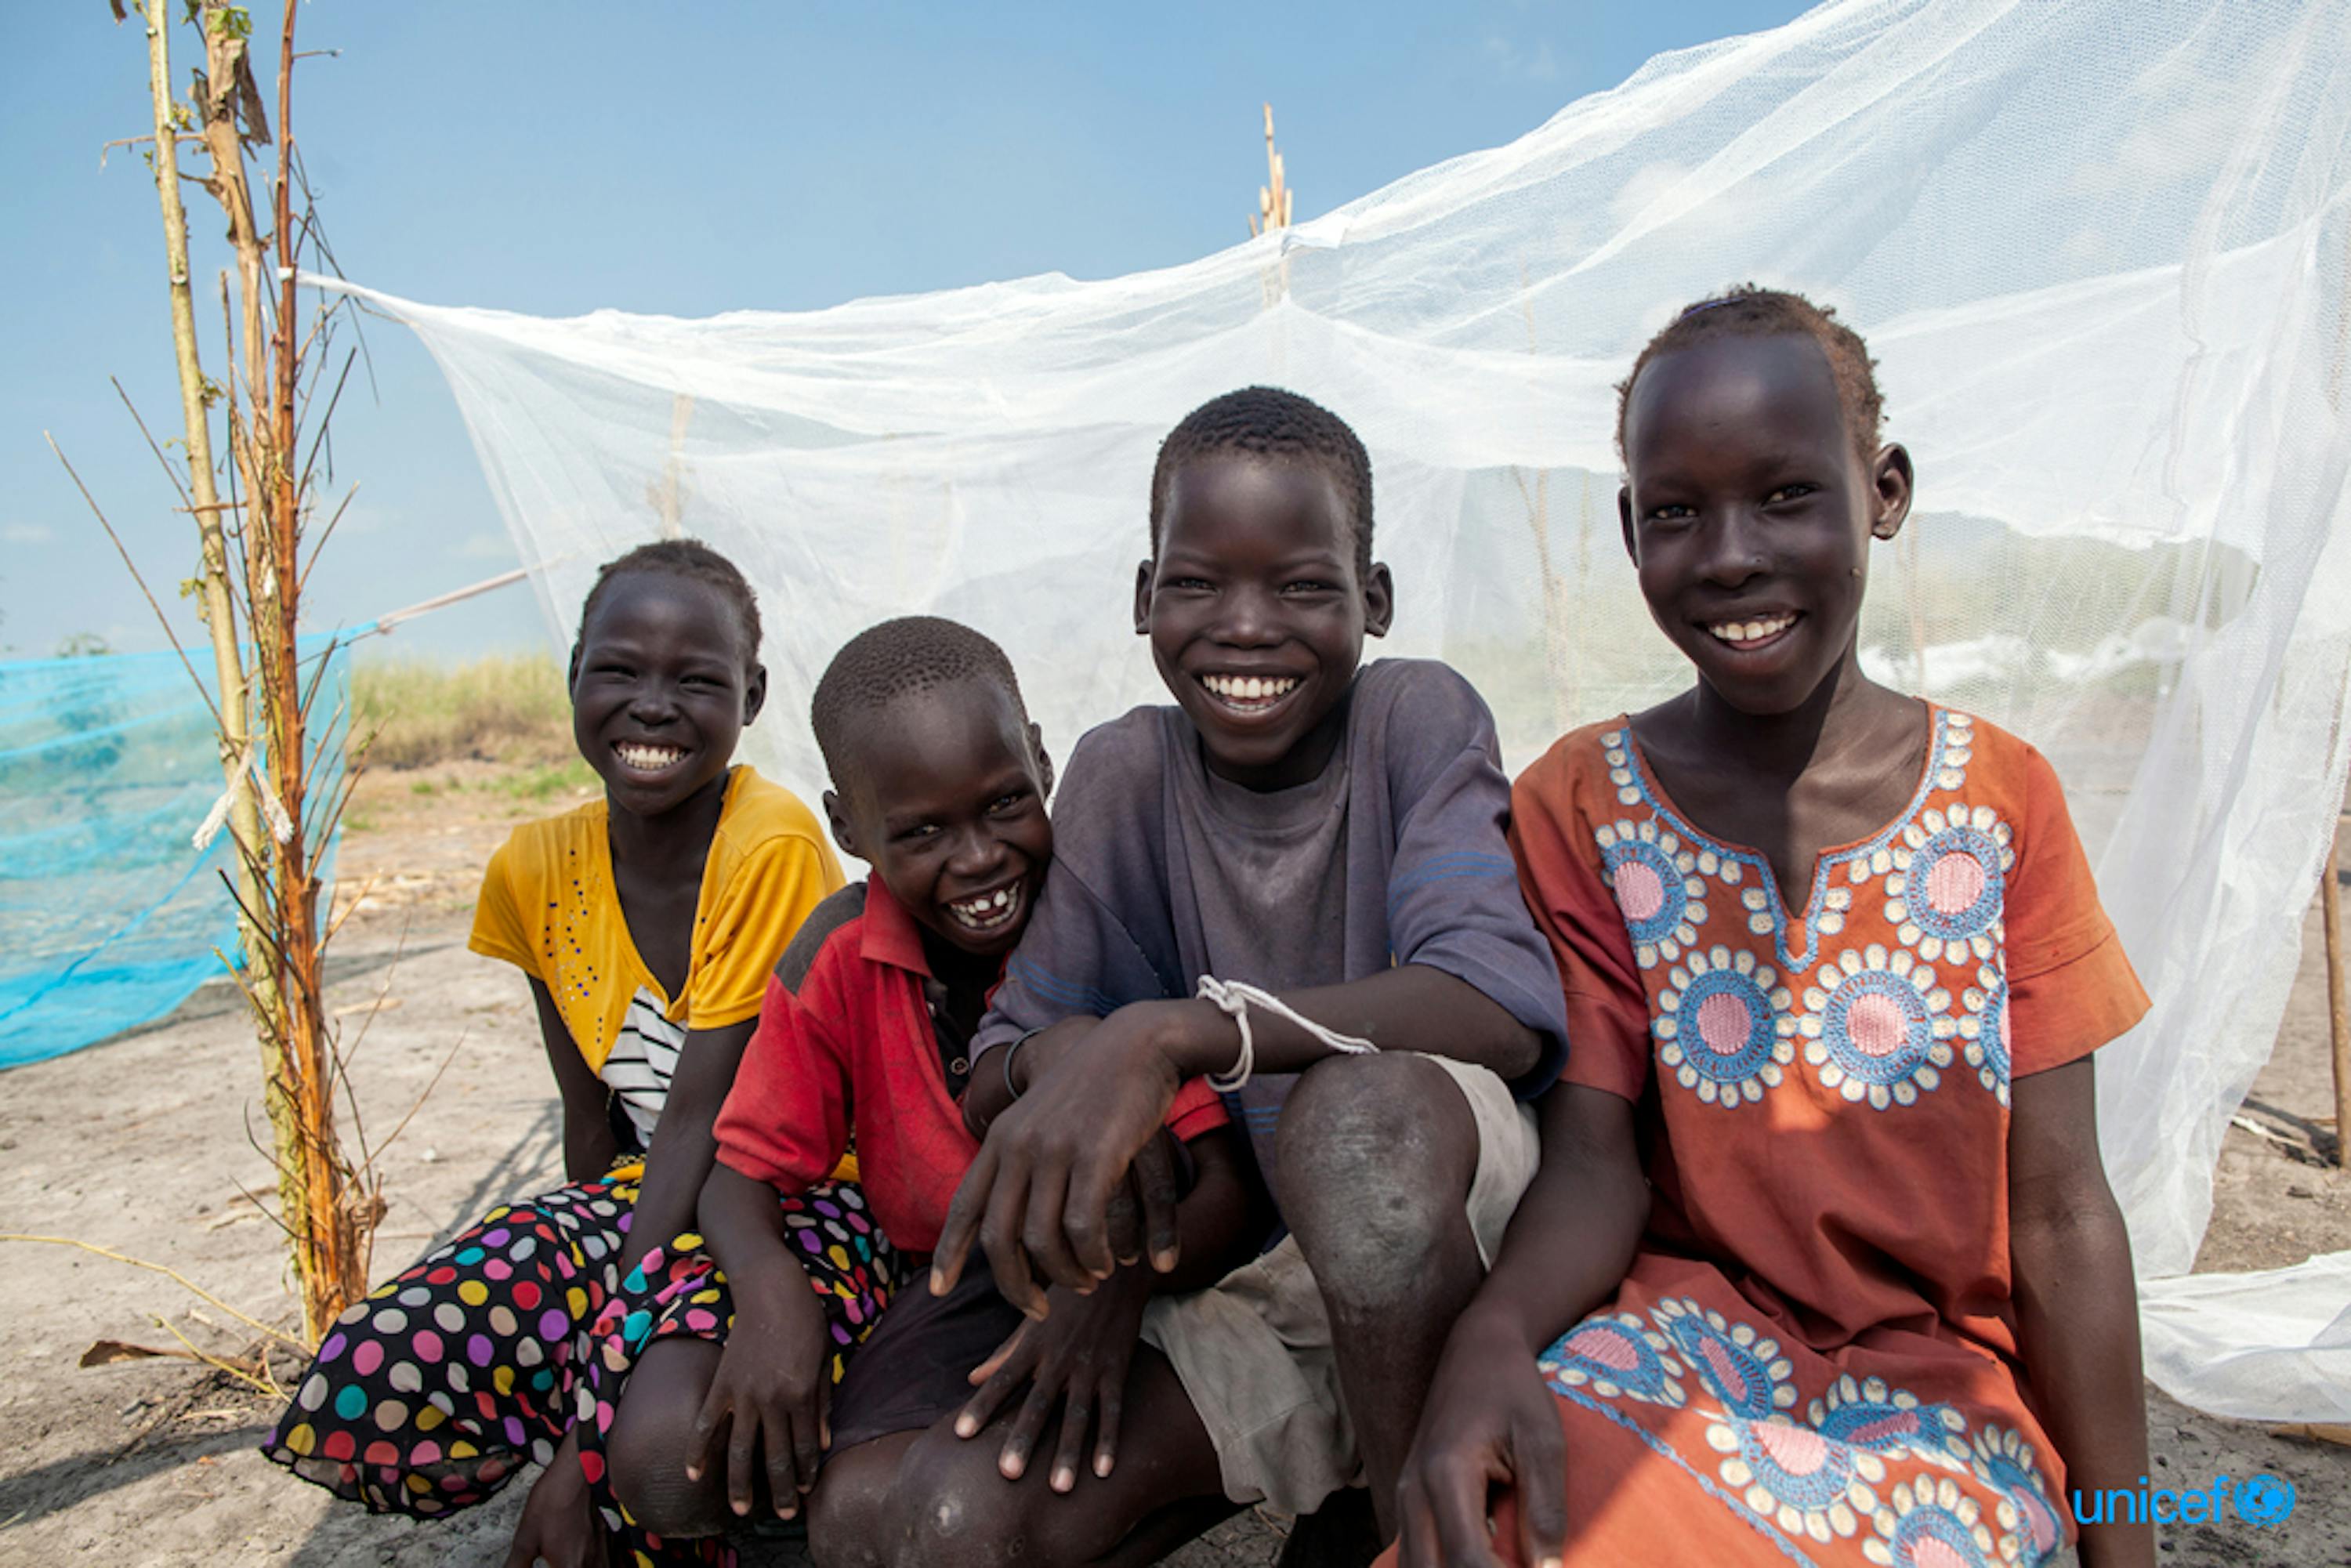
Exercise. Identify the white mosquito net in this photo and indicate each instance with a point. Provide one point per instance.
(2101, 251)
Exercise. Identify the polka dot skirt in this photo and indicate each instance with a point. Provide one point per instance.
(680, 1290)
(427, 1397)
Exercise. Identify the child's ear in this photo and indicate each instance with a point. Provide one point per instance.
(1142, 575)
(1890, 478)
(1379, 600)
(1044, 761)
(572, 672)
(843, 834)
(1625, 522)
(755, 693)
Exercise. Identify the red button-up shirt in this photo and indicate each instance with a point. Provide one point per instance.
(846, 1048)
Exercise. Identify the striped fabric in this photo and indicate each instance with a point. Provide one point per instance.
(642, 1060)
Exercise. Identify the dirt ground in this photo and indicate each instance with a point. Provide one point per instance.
(140, 1145)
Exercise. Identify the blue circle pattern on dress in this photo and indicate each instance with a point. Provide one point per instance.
(1822, 1474)
(1743, 1370)
(1658, 867)
(1762, 1038)
(1933, 1523)
(1984, 1027)
(1977, 918)
(1995, 1041)
(2004, 1462)
(1673, 892)
(1917, 1025)
(1820, 1488)
(1616, 1358)
(1893, 1421)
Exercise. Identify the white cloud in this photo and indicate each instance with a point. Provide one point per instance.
(26, 533)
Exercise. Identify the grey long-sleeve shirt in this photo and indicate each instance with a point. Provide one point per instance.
(1163, 872)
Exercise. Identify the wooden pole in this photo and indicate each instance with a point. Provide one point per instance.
(2330, 898)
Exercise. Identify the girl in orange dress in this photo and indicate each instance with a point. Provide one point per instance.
(1821, 1265)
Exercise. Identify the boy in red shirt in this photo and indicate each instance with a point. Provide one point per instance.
(940, 782)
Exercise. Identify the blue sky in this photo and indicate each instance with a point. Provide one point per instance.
(682, 159)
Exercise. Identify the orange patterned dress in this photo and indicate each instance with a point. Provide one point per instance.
(1815, 1356)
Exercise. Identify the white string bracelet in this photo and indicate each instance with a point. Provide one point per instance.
(1234, 998)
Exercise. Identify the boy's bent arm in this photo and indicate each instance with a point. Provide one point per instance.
(684, 1142)
(589, 1147)
(1075, 1359)
(1489, 1418)
(1044, 1178)
(2076, 1300)
(770, 1394)
(743, 1227)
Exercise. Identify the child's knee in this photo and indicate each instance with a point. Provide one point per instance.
(956, 1510)
(1377, 1155)
(856, 1515)
(646, 1449)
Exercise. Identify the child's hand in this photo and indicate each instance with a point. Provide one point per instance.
(772, 1394)
(558, 1524)
(1076, 1357)
(1039, 1194)
(1489, 1421)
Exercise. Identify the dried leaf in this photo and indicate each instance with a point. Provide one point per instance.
(119, 14)
(107, 1352)
(229, 92)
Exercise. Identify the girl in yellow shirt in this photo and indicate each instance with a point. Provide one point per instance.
(647, 923)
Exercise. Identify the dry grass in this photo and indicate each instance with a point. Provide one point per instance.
(505, 708)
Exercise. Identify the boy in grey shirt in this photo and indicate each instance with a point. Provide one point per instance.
(1294, 880)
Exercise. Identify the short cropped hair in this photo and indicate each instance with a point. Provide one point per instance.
(1747, 312)
(693, 560)
(1267, 422)
(893, 660)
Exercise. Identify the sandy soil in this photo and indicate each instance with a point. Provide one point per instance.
(140, 1145)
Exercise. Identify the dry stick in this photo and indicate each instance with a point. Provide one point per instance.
(187, 502)
(172, 1274)
(2330, 899)
(2332, 896)
(120, 549)
(340, 1059)
(326, 419)
(336, 1229)
(261, 1383)
(268, 940)
(432, 1083)
(309, 694)
(319, 545)
(351, 908)
(106, 147)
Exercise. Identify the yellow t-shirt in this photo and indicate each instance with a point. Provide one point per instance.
(548, 907)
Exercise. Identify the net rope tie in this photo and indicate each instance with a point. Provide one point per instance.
(1234, 997)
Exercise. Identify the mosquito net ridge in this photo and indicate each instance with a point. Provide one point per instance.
(2100, 251)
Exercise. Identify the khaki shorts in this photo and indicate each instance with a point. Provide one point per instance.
(1254, 1350)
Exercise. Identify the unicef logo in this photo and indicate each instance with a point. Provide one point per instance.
(2261, 1501)
(2264, 1501)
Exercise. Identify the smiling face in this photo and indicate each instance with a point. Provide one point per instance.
(950, 812)
(662, 685)
(1749, 512)
(1257, 613)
